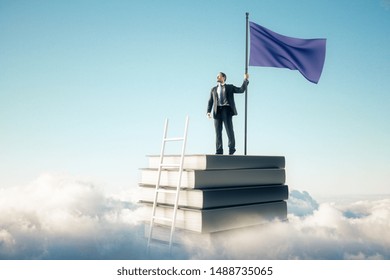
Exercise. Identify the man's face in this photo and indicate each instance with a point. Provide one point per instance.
(220, 78)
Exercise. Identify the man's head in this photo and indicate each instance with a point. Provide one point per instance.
(221, 78)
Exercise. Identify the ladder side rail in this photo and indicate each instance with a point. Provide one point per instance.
(178, 188)
(157, 182)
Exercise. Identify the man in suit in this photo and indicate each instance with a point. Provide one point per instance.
(224, 108)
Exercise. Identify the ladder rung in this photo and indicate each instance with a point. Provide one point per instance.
(174, 139)
(165, 191)
(162, 218)
(156, 241)
(170, 164)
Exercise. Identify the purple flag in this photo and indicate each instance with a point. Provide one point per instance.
(274, 50)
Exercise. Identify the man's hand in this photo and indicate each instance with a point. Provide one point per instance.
(246, 76)
(209, 115)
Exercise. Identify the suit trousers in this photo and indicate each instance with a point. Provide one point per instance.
(224, 117)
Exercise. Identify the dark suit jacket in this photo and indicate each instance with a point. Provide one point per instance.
(230, 91)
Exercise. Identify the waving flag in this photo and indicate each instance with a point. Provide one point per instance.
(271, 49)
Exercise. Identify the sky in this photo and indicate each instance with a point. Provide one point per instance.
(85, 87)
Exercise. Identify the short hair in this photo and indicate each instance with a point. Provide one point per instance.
(223, 75)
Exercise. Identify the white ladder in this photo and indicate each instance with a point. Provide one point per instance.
(158, 189)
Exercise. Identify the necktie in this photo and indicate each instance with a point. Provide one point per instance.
(219, 91)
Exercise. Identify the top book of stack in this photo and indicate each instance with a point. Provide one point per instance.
(217, 162)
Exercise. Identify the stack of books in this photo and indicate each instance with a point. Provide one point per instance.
(218, 192)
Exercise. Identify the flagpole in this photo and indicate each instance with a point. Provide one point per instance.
(246, 90)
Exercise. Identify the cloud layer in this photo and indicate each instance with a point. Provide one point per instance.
(354, 231)
(60, 217)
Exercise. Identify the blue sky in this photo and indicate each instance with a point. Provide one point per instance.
(85, 87)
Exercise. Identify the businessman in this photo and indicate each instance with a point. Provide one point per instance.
(221, 103)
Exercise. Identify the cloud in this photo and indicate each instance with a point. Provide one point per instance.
(62, 217)
(301, 203)
(357, 230)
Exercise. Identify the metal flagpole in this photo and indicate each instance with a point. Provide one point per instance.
(246, 90)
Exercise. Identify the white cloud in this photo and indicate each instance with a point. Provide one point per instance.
(61, 217)
(301, 203)
(356, 230)
(6, 240)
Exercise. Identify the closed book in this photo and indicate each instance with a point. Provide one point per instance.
(220, 219)
(214, 178)
(216, 197)
(210, 162)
